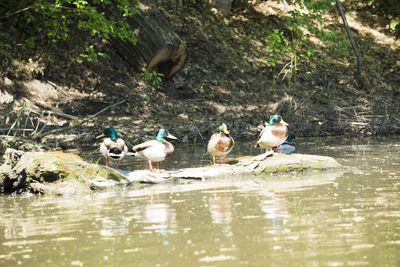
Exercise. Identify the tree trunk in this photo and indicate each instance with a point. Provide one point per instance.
(158, 47)
(223, 6)
(357, 74)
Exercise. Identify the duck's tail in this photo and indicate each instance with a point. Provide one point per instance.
(115, 153)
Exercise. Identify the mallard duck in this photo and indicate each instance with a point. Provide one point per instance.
(288, 146)
(273, 134)
(220, 143)
(155, 150)
(113, 147)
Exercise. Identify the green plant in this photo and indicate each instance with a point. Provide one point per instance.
(4, 46)
(206, 92)
(50, 21)
(290, 47)
(3, 146)
(395, 26)
(30, 42)
(278, 44)
(283, 47)
(151, 78)
(18, 117)
(91, 54)
(309, 17)
(390, 9)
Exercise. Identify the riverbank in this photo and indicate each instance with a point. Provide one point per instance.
(63, 103)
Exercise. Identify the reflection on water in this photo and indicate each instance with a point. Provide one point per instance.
(275, 208)
(349, 219)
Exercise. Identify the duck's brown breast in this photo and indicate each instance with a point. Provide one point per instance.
(225, 143)
(168, 148)
(280, 130)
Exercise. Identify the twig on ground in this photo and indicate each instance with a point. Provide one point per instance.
(58, 88)
(58, 113)
(18, 117)
(16, 129)
(87, 119)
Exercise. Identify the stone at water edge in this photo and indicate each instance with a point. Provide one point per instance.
(51, 171)
(63, 173)
(263, 164)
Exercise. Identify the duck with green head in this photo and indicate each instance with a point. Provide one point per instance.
(113, 147)
(288, 147)
(273, 134)
(155, 150)
(220, 144)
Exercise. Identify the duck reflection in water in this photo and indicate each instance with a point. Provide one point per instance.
(221, 210)
(160, 217)
(275, 209)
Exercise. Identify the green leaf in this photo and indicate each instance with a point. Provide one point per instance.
(394, 24)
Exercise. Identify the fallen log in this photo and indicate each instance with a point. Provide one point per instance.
(64, 173)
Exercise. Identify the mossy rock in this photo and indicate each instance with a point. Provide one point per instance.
(63, 173)
(50, 172)
(264, 164)
(299, 163)
(293, 168)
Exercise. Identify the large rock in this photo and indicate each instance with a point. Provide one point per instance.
(264, 164)
(54, 172)
(63, 173)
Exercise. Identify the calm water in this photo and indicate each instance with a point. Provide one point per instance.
(349, 219)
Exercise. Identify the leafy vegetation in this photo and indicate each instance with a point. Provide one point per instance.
(91, 54)
(291, 44)
(46, 22)
(225, 76)
(391, 10)
(151, 78)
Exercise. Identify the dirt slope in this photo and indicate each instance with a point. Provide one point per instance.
(225, 80)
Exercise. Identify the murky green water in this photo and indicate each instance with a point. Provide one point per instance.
(350, 219)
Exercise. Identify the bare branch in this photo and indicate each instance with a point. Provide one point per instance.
(16, 12)
(357, 74)
(87, 119)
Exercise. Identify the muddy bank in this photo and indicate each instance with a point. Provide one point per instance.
(65, 100)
